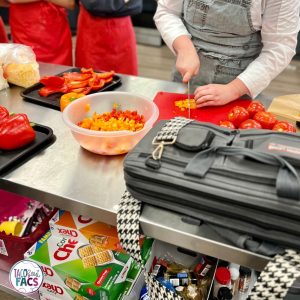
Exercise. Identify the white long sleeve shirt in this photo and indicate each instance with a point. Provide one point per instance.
(278, 21)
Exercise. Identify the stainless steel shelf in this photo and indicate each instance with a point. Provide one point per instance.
(66, 176)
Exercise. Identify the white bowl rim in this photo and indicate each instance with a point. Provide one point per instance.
(90, 132)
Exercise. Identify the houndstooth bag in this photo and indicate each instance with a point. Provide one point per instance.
(278, 276)
(274, 282)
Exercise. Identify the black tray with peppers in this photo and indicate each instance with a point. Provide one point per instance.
(33, 93)
(13, 158)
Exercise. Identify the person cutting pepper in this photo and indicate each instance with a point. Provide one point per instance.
(228, 48)
(44, 26)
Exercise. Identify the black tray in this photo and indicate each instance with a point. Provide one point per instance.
(31, 94)
(11, 159)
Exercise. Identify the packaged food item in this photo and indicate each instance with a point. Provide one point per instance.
(235, 274)
(19, 64)
(204, 266)
(3, 81)
(83, 269)
(90, 231)
(244, 281)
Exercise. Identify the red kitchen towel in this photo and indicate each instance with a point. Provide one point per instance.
(214, 114)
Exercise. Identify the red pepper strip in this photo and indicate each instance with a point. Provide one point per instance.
(105, 75)
(87, 71)
(108, 80)
(46, 91)
(84, 90)
(95, 83)
(16, 132)
(75, 76)
(77, 84)
(4, 114)
(52, 81)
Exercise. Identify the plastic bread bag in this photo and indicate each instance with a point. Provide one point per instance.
(3, 81)
(19, 64)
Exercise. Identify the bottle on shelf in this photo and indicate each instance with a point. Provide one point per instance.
(244, 281)
(222, 279)
(224, 293)
(234, 270)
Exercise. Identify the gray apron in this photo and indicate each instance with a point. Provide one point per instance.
(224, 37)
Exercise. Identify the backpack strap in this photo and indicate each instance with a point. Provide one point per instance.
(278, 277)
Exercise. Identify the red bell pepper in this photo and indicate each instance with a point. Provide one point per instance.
(4, 114)
(84, 90)
(105, 75)
(46, 91)
(77, 84)
(52, 81)
(16, 132)
(87, 71)
(96, 83)
(76, 76)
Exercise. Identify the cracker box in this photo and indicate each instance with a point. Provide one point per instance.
(86, 230)
(86, 269)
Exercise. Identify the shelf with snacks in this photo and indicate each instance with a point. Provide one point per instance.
(92, 185)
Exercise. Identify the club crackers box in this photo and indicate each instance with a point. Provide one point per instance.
(86, 269)
(87, 230)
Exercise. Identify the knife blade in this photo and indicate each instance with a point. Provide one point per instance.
(189, 103)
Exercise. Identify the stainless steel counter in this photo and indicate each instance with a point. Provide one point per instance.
(68, 177)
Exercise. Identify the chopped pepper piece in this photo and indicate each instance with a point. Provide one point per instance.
(66, 99)
(46, 91)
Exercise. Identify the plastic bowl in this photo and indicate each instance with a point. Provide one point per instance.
(109, 142)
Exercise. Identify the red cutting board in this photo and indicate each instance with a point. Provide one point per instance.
(214, 114)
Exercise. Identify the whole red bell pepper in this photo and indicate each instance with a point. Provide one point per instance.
(16, 132)
(3, 113)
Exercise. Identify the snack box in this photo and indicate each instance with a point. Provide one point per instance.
(85, 269)
(87, 230)
(54, 291)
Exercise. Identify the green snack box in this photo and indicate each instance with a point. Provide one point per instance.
(86, 269)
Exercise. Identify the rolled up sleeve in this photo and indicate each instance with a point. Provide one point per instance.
(280, 27)
(169, 22)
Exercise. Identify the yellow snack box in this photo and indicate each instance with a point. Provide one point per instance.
(85, 230)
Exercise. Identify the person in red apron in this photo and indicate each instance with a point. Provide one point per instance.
(44, 26)
(106, 43)
(3, 34)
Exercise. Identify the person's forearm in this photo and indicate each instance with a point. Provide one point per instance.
(68, 4)
(239, 88)
(183, 44)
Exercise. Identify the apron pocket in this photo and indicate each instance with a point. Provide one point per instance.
(225, 74)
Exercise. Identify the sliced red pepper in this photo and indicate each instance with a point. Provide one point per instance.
(95, 83)
(105, 75)
(87, 71)
(77, 84)
(76, 76)
(84, 90)
(46, 91)
(108, 80)
(16, 132)
(52, 81)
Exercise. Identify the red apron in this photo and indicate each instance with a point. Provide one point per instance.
(106, 43)
(3, 34)
(45, 27)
